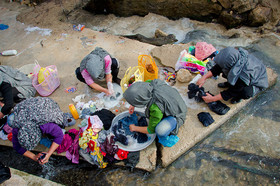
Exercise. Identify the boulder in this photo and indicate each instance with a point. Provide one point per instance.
(184, 76)
(259, 16)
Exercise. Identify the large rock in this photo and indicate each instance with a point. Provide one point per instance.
(259, 16)
(184, 76)
(237, 14)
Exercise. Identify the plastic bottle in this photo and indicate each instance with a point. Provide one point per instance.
(9, 53)
(195, 79)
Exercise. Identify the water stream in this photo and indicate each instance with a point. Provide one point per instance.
(243, 151)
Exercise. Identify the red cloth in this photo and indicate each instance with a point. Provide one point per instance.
(10, 136)
(91, 145)
(122, 154)
(203, 50)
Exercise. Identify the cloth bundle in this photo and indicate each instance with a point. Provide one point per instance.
(217, 106)
(205, 118)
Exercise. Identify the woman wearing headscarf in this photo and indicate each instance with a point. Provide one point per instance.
(96, 66)
(14, 87)
(32, 119)
(165, 107)
(246, 75)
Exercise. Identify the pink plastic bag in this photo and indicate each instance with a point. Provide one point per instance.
(50, 83)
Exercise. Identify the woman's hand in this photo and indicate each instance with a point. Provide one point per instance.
(201, 82)
(131, 109)
(107, 92)
(132, 127)
(45, 159)
(208, 98)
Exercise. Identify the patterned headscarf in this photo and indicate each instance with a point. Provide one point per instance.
(30, 114)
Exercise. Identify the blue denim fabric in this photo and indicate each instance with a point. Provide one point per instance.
(165, 126)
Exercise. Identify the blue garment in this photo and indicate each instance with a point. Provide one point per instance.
(122, 131)
(168, 141)
(126, 121)
(3, 27)
(46, 142)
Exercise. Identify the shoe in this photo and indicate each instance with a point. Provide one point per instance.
(235, 100)
(223, 85)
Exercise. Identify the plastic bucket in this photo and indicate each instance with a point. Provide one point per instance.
(149, 65)
(132, 147)
(138, 73)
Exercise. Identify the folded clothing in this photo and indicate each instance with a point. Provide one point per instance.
(218, 107)
(205, 118)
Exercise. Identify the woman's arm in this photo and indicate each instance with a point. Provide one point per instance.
(209, 98)
(53, 147)
(135, 128)
(202, 80)
(55, 131)
(31, 155)
(99, 88)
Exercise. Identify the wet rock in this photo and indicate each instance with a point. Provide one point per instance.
(259, 16)
(230, 20)
(225, 4)
(158, 41)
(199, 10)
(184, 76)
(241, 6)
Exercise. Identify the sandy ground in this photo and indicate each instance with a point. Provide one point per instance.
(54, 42)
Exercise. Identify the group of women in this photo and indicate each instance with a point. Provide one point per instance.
(165, 108)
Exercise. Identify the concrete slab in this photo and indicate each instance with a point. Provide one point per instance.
(24, 179)
(193, 131)
(65, 48)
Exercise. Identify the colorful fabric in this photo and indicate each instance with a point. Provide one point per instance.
(88, 139)
(73, 152)
(203, 50)
(191, 63)
(122, 154)
(95, 122)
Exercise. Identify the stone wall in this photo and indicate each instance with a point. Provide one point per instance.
(231, 13)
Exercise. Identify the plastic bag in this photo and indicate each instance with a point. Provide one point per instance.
(168, 141)
(5, 173)
(189, 62)
(149, 65)
(49, 80)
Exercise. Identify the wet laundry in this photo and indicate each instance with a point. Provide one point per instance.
(122, 131)
(205, 118)
(195, 92)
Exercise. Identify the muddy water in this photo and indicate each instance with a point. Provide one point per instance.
(243, 151)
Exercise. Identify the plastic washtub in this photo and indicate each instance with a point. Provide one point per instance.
(133, 145)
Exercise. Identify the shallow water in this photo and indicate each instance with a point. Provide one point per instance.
(243, 151)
